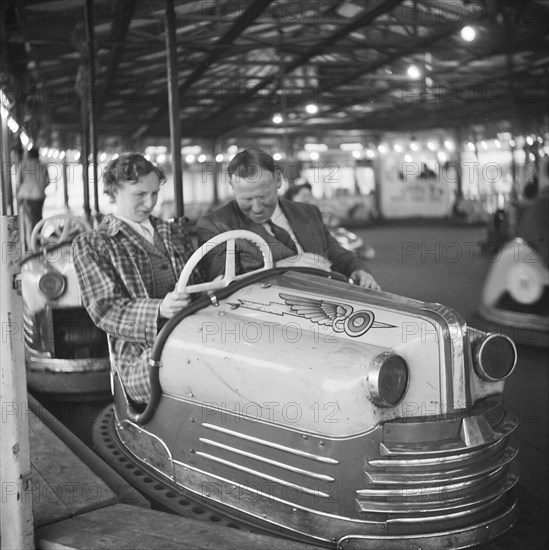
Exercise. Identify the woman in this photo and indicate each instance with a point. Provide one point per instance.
(128, 268)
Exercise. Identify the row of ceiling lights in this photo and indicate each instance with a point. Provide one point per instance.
(193, 154)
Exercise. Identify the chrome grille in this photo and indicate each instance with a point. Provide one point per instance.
(459, 474)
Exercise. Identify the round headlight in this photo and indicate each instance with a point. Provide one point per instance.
(52, 284)
(388, 379)
(495, 357)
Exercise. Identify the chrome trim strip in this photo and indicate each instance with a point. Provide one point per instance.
(269, 496)
(325, 460)
(452, 381)
(152, 436)
(449, 516)
(411, 507)
(263, 476)
(427, 490)
(253, 456)
(458, 538)
(43, 362)
(434, 461)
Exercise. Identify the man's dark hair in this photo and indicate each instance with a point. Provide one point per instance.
(128, 167)
(251, 162)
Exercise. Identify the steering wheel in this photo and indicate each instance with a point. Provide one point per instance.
(56, 229)
(230, 264)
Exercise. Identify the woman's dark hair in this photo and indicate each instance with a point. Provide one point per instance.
(128, 167)
(250, 163)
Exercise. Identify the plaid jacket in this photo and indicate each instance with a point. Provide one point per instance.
(114, 274)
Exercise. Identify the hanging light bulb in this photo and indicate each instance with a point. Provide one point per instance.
(468, 33)
(413, 72)
(449, 145)
(311, 108)
(277, 118)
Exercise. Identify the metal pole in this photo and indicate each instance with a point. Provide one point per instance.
(173, 99)
(459, 167)
(84, 157)
(215, 175)
(90, 98)
(65, 183)
(16, 514)
(6, 191)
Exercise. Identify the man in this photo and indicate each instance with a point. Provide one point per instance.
(31, 191)
(304, 239)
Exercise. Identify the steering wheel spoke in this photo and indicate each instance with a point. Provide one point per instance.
(230, 260)
(229, 276)
(56, 229)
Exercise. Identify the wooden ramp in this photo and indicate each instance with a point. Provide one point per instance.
(81, 503)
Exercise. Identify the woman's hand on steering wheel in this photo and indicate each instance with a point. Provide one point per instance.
(173, 302)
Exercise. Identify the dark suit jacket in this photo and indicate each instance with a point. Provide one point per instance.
(307, 225)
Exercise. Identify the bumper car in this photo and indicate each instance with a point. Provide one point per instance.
(294, 403)
(351, 241)
(66, 355)
(515, 297)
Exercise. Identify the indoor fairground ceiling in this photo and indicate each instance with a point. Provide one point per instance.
(261, 68)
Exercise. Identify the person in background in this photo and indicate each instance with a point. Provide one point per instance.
(294, 231)
(32, 180)
(300, 193)
(128, 269)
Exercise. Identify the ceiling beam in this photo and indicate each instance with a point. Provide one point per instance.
(219, 48)
(357, 23)
(123, 14)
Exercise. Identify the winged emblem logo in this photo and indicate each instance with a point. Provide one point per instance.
(341, 317)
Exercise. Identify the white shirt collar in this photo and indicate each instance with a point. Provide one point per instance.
(144, 228)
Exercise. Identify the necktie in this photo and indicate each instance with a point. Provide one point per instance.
(280, 234)
(147, 233)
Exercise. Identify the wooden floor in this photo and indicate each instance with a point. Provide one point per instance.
(80, 503)
(121, 527)
(62, 484)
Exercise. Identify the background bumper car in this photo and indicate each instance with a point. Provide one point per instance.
(515, 297)
(66, 355)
